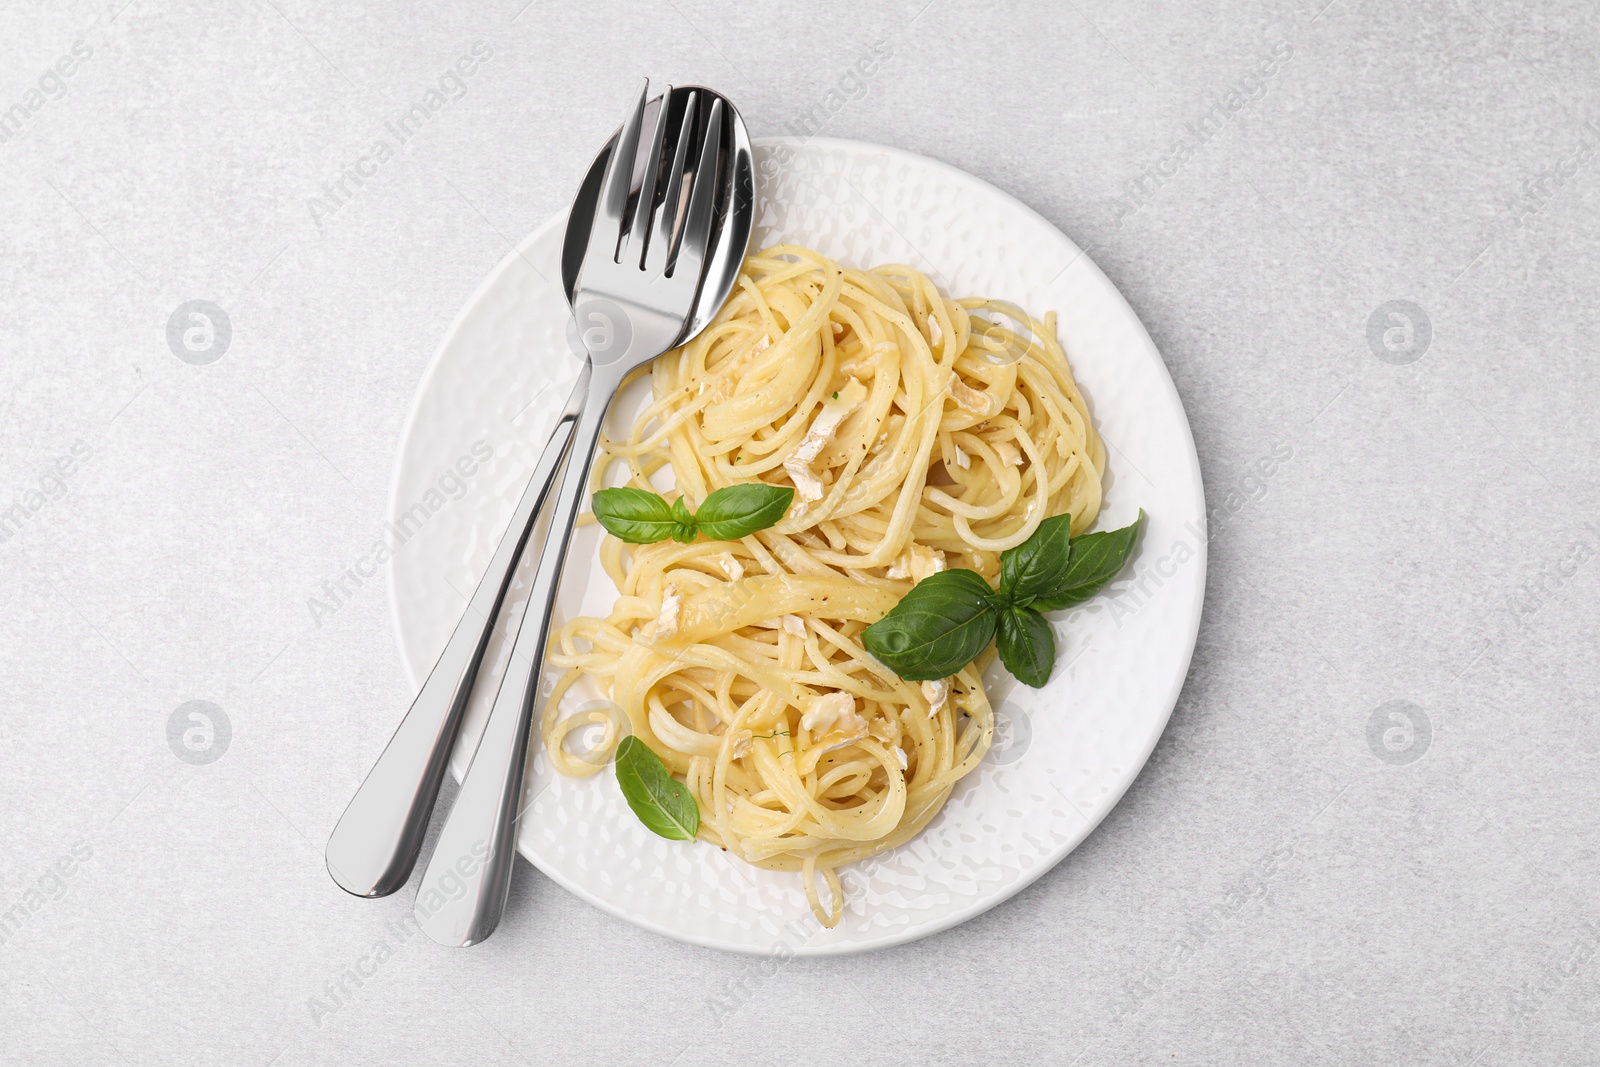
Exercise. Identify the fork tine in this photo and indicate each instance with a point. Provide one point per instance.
(661, 239)
(697, 225)
(605, 234)
(639, 233)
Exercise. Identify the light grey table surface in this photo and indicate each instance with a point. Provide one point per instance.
(1369, 834)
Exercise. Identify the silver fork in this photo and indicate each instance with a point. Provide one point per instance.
(635, 298)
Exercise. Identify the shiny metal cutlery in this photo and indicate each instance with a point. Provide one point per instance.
(672, 221)
(375, 845)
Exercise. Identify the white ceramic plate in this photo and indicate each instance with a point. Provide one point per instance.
(1063, 754)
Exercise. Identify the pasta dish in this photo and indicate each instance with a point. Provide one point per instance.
(919, 433)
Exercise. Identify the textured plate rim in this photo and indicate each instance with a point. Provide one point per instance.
(959, 915)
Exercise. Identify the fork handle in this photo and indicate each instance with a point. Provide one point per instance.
(375, 845)
(463, 890)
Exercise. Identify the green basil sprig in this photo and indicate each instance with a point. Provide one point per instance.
(949, 618)
(641, 517)
(663, 803)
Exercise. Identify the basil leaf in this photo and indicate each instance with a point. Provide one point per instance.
(684, 530)
(737, 511)
(1037, 566)
(637, 516)
(663, 804)
(1096, 559)
(937, 628)
(1027, 645)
